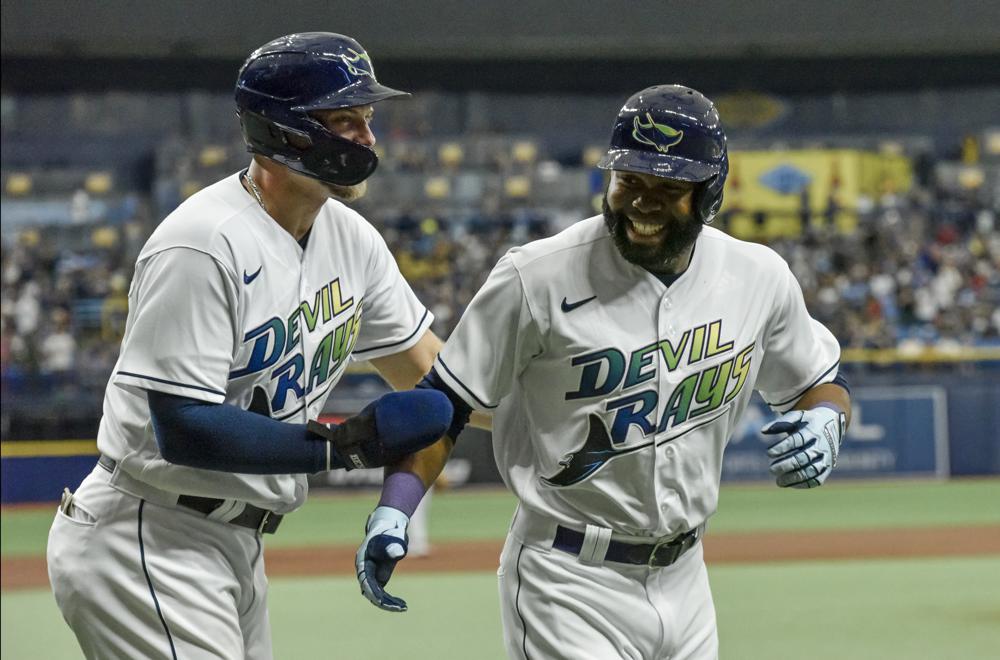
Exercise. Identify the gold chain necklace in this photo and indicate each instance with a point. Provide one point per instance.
(254, 189)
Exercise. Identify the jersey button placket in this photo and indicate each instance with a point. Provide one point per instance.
(665, 330)
(666, 318)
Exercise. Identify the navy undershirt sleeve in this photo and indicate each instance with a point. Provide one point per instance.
(460, 418)
(226, 438)
(841, 381)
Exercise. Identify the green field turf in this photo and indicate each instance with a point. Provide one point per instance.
(470, 515)
(924, 609)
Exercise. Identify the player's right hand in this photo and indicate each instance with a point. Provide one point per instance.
(388, 429)
(807, 446)
(384, 545)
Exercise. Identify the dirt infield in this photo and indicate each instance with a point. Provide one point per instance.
(30, 573)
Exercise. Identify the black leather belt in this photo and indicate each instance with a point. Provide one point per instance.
(648, 554)
(254, 517)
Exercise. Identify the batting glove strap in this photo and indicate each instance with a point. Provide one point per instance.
(391, 427)
(349, 441)
(808, 446)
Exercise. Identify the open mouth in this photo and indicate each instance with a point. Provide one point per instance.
(642, 232)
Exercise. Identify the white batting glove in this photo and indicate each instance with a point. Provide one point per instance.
(807, 452)
(385, 544)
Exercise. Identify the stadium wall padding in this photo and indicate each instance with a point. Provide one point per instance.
(908, 423)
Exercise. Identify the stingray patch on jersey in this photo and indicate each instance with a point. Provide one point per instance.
(619, 378)
(597, 450)
(276, 345)
(588, 459)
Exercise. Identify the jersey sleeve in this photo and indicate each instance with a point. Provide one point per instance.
(180, 333)
(392, 318)
(494, 341)
(799, 351)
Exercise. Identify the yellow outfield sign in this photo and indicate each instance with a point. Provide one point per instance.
(48, 448)
(812, 179)
(928, 355)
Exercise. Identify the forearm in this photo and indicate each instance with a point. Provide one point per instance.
(408, 480)
(229, 439)
(827, 393)
(427, 463)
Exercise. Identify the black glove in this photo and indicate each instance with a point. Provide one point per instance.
(389, 428)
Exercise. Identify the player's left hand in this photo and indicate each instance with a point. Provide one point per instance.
(384, 545)
(807, 451)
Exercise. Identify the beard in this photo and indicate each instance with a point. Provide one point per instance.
(680, 235)
(348, 193)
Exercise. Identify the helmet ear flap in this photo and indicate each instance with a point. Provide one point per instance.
(268, 137)
(261, 134)
(708, 195)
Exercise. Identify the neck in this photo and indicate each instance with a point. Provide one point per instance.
(290, 200)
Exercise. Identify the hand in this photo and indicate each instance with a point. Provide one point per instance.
(384, 545)
(389, 428)
(807, 452)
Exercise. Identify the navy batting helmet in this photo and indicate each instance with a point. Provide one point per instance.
(285, 80)
(674, 132)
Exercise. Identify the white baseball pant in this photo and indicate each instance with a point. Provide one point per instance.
(136, 579)
(555, 606)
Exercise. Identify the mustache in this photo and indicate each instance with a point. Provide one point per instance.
(681, 233)
(620, 217)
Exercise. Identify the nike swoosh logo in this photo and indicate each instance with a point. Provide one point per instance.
(247, 279)
(569, 307)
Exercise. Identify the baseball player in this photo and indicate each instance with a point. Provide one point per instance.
(247, 303)
(617, 358)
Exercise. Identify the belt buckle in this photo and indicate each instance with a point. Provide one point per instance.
(263, 522)
(651, 562)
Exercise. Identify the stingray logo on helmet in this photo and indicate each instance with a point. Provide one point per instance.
(659, 136)
(359, 58)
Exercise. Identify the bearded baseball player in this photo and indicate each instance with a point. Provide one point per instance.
(617, 358)
(247, 303)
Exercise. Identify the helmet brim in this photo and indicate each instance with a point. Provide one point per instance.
(662, 165)
(360, 93)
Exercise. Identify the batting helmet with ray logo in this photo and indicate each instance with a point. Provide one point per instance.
(674, 132)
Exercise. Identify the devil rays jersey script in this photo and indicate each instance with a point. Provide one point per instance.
(226, 306)
(613, 395)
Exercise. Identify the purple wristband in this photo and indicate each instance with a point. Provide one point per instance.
(403, 491)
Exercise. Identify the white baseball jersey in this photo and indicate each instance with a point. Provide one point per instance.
(613, 395)
(224, 301)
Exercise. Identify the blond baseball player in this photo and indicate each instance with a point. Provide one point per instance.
(617, 358)
(247, 303)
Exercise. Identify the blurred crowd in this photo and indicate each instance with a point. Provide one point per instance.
(65, 299)
(921, 270)
(446, 262)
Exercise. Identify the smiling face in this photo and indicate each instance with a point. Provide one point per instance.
(651, 219)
